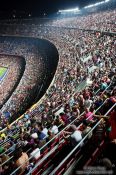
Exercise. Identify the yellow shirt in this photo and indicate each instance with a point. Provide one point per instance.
(3, 135)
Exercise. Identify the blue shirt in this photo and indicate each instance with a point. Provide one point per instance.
(42, 136)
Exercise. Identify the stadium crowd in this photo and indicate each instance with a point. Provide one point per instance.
(84, 55)
(14, 68)
(29, 82)
(103, 21)
(31, 133)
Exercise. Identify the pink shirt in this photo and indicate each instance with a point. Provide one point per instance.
(90, 115)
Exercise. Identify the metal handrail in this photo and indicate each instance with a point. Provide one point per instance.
(75, 120)
(61, 124)
(67, 127)
(62, 131)
(7, 150)
(54, 171)
(38, 103)
(58, 135)
(6, 161)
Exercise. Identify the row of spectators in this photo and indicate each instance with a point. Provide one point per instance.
(101, 21)
(31, 133)
(79, 51)
(103, 81)
(14, 69)
(71, 73)
(85, 47)
(24, 88)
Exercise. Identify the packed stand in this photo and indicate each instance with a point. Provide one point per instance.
(33, 73)
(77, 103)
(79, 51)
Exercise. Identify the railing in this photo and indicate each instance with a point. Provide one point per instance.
(37, 104)
(68, 126)
(60, 133)
(66, 158)
(64, 129)
(55, 73)
(71, 123)
(53, 109)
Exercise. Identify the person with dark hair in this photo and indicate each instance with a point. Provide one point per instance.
(75, 136)
(86, 129)
(88, 102)
(89, 114)
(50, 135)
(40, 133)
(54, 128)
(64, 118)
(23, 160)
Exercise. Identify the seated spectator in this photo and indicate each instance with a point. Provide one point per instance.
(88, 114)
(45, 130)
(3, 135)
(87, 102)
(75, 135)
(36, 152)
(41, 135)
(64, 118)
(81, 103)
(4, 158)
(23, 160)
(86, 94)
(54, 128)
(103, 85)
(86, 129)
(34, 135)
(99, 132)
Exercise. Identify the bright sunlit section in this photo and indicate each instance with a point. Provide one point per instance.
(69, 10)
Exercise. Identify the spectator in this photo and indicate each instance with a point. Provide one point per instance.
(23, 160)
(36, 152)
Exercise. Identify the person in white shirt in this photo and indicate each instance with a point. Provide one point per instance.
(45, 131)
(75, 136)
(87, 102)
(54, 128)
(36, 152)
(34, 135)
